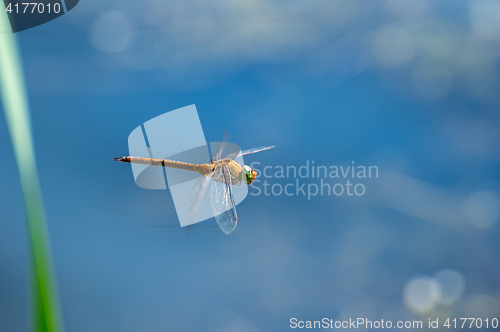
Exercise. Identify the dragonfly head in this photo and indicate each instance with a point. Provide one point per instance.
(248, 174)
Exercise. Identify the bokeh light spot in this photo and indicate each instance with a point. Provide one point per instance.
(112, 32)
(451, 284)
(485, 19)
(421, 294)
(482, 209)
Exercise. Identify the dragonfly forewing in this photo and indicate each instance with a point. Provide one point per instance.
(249, 151)
(222, 145)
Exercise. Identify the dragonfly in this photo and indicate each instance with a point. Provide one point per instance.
(223, 172)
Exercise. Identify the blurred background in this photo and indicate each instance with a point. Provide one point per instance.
(409, 86)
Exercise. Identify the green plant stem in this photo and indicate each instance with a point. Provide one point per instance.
(46, 308)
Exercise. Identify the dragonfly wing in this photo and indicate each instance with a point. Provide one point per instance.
(221, 199)
(249, 151)
(196, 197)
(218, 153)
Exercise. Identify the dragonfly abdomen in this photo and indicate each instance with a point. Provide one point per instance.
(199, 168)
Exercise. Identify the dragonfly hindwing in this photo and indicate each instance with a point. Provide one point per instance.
(221, 199)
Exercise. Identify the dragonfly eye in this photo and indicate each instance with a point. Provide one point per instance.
(248, 174)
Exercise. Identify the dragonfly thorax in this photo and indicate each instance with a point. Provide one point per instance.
(237, 172)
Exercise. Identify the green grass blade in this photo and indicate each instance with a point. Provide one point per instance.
(46, 308)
